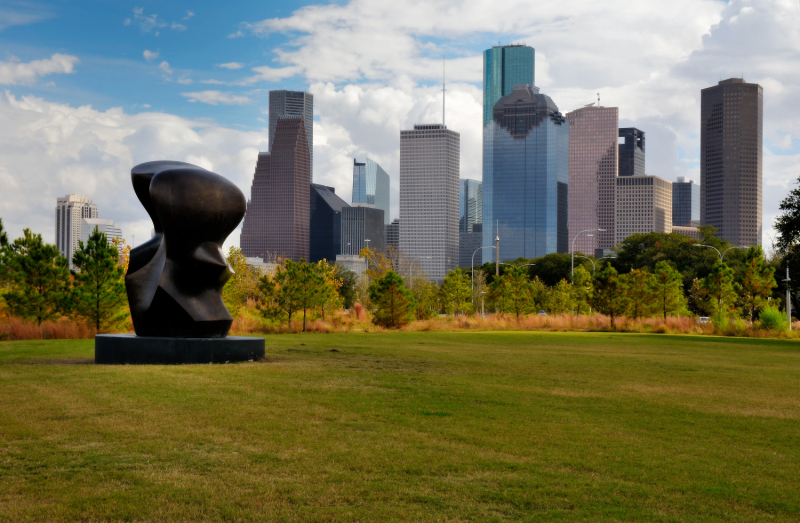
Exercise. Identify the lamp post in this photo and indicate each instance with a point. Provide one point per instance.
(788, 300)
(572, 251)
(721, 254)
(482, 315)
(594, 263)
(472, 271)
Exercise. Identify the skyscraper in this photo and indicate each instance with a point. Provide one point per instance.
(293, 103)
(525, 176)
(644, 204)
(362, 227)
(593, 165)
(685, 203)
(505, 66)
(393, 234)
(371, 186)
(70, 211)
(278, 214)
(470, 204)
(731, 156)
(325, 228)
(429, 172)
(631, 152)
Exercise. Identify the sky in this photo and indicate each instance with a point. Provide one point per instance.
(89, 89)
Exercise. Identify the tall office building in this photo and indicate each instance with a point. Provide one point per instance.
(362, 227)
(505, 66)
(278, 213)
(325, 227)
(644, 204)
(685, 203)
(525, 177)
(731, 156)
(107, 227)
(631, 152)
(429, 173)
(593, 167)
(468, 244)
(70, 211)
(470, 204)
(371, 186)
(293, 103)
(393, 234)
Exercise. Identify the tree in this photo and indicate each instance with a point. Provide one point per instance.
(561, 298)
(39, 276)
(329, 299)
(607, 298)
(243, 283)
(124, 251)
(98, 293)
(635, 290)
(788, 224)
(583, 290)
(666, 291)
(512, 292)
(540, 295)
(720, 290)
(426, 298)
(757, 281)
(3, 236)
(347, 287)
(296, 286)
(394, 303)
(455, 293)
(378, 263)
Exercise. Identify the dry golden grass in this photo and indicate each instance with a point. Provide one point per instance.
(13, 329)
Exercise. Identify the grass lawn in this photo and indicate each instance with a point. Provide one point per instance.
(450, 426)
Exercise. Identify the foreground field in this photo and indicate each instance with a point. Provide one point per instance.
(494, 426)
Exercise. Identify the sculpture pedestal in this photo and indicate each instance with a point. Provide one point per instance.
(119, 349)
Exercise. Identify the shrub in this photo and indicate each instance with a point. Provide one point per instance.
(771, 318)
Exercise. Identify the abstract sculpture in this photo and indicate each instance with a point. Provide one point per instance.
(175, 280)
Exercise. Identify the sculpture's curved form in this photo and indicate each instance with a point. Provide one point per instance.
(175, 280)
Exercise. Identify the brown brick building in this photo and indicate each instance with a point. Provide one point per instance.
(278, 213)
(731, 160)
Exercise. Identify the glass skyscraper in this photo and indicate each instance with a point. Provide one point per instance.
(371, 186)
(470, 204)
(525, 176)
(685, 203)
(505, 66)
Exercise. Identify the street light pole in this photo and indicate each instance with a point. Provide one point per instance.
(497, 251)
(572, 251)
(788, 300)
(472, 271)
(721, 254)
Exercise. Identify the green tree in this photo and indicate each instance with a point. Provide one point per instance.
(98, 292)
(540, 295)
(720, 290)
(3, 236)
(562, 298)
(787, 224)
(347, 287)
(666, 290)
(636, 292)
(295, 287)
(243, 284)
(39, 277)
(455, 293)
(608, 294)
(394, 303)
(426, 296)
(757, 281)
(583, 290)
(512, 292)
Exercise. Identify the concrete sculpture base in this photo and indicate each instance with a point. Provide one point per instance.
(120, 349)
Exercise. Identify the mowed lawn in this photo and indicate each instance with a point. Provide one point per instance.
(467, 426)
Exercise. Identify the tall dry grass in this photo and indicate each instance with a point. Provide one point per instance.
(63, 329)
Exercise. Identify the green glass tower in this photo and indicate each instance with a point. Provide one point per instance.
(503, 67)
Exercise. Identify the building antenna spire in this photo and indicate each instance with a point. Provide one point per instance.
(598, 99)
(443, 91)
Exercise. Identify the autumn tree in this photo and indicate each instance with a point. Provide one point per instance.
(98, 293)
(378, 262)
(394, 304)
(39, 278)
(329, 299)
(666, 291)
(757, 281)
(635, 292)
(455, 293)
(243, 283)
(608, 294)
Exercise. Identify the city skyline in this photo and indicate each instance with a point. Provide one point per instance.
(659, 92)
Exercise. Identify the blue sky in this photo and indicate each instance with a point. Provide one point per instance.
(88, 89)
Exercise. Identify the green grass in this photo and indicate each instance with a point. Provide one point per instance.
(468, 426)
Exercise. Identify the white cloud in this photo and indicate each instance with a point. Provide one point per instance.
(145, 22)
(150, 55)
(189, 14)
(237, 34)
(185, 81)
(231, 65)
(48, 150)
(164, 66)
(178, 27)
(216, 98)
(146, 106)
(212, 81)
(17, 73)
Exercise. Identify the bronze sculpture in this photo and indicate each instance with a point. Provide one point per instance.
(174, 281)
